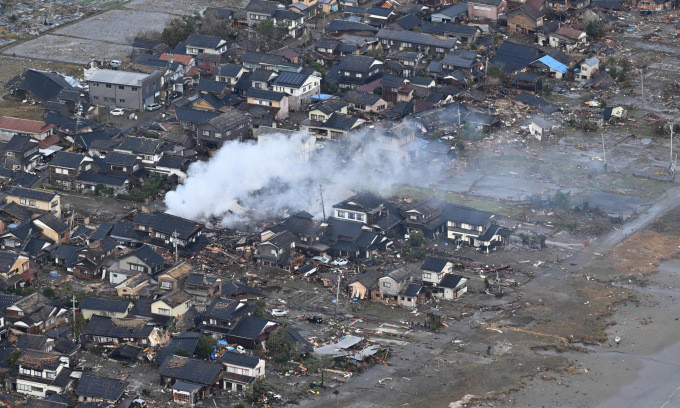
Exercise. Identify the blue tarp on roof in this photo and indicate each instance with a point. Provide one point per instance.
(322, 97)
(553, 64)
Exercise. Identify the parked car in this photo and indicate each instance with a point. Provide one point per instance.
(279, 313)
(117, 112)
(115, 64)
(41, 166)
(153, 107)
(315, 319)
(340, 262)
(321, 259)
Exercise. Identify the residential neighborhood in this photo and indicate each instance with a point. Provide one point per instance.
(339, 203)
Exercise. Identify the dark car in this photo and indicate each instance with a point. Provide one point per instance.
(315, 319)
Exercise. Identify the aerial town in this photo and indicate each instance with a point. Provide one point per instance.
(314, 203)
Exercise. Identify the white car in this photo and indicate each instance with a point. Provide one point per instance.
(40, 167)
(153, 107)
(340, 262)
(321, 259)
(117, 112)
(279, 313)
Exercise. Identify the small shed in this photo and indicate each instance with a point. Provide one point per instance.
(540, 128)
(528, 82)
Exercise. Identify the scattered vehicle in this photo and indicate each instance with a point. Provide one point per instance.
(279, 313)
(153, 107)
(321, 259)
(117, 112)
(41, 166)
(115, 64)
(315, 319)
(340, 262)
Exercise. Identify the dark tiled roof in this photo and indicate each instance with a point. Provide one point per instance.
(265, 94)
(114, 327)
(434, 264)
(147, 255)
(168, 224)
(262, 6)
(413, 37)
(52, 222)
(290, 79)
(30, 194)
(109, 305)
(101, 387)
(512, 57)
(344, 25)
(31, 342)
(340, 121)
(364, 98)
(249, 327)
(44, 85)
(287, 15)
(102, 178)
(380, 12)
(172, 162)
(537, 102)
(143, 145)
(205, 41)
(450, 281)
(186, 341)
(449, 28)
(226, 309)
(240, 360)
(229, 119)
(360, 63)
(189, 369)
(228, 70)
(20, 143)
(195, 116)
(409, 21)
(527, 11)
(67, 159)
(122, 159)
(454, 10)
(206, 85)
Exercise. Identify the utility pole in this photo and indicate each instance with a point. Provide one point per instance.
(642, 84)
(323, 206)
(671, 168)
(174, 239)
(604, 154)
(75, 337)
(337, 294)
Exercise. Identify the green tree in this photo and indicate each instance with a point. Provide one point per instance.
(182, 353)
(279, 346)
(416, 239)
(257, 390)
(178, 29)
(267, 28)
(260, 309)
(562, 200)
(595, 30)
(49, 292)
(495, 72)
(12, 358)
(205, 346)
(281, 30)
(78, 324)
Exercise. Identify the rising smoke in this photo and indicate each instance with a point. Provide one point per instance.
(272, 179)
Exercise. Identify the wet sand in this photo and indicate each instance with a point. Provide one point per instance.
(643, 370)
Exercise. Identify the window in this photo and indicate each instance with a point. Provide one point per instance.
(427, 275)
(50, 375)
(182, 397)
(206, 133)
(22, 201)
(134, 88)
(218, 135)
(387, 285)
(121, 100)
(360, 217)
(164, 312)
(342, 214)
(213, 321)
(26, 371)
(166, 285)
(31, 203)
(108, 85)
(54, 204)
(121, 86)
(351, 216)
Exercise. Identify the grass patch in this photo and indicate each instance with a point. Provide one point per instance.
(17, 109)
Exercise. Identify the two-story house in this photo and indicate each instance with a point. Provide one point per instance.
(222, 314)
(278, 251)
(36, 129)
(426, 217)
(35, 200)
(231, 124)
(589, 68)
(293, 21)
(397, 40)
(171, 231)
(240, 370)
(391, 284)
(303, 226)
(357, 70)
(258, 11)
(229, 73)
(39, 374)
(172, 278)
(191, 380)
(275, 101)
(298, 87)
(434, 269)
(486, 9)
(124, 89)
(369, 209)
(205, 44)
(100, 390)
(143, 259)
(365, 102)
(113, 331)
(173, 304)
(122, 164)
(21, 153)
(202, 288)
(148, 150)
(12, 267)
(91, 306)
(525, 19)
(65, 168)
(35, 314)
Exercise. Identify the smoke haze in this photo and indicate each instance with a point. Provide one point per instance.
(272, 179)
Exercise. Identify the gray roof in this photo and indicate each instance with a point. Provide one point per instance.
(105, 179)
(168, 224)
(360, 63)
(204, 41)
(67, 159)
(450, 281)
(195, 116)
(416, 38)
(30, 194)
(147, 255)
(434, 264)
(110, 76)
(228, 70)
(528, 11)
(101, 387)
(120, 159)
(140, 144)
(189, 369)
(287, 15)
(344, 25)
(264, 94)
(240, 360)
(262, 6)
(364, 98)
(454, 10)
(109, 305)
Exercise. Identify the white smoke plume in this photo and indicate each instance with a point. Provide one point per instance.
(271, 179)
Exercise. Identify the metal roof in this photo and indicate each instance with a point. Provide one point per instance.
(110, 76)
(553, 64)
